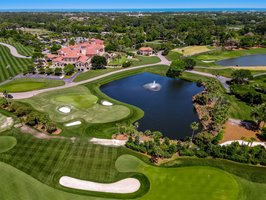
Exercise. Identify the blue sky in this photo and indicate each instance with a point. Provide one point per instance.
(102, 4)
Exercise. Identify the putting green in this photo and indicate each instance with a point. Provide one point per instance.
(187, 183)
(83, 106)
(82, 101)
(7, 143)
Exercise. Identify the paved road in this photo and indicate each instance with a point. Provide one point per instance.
(14, 51)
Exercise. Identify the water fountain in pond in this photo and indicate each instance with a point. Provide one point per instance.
(153, 86)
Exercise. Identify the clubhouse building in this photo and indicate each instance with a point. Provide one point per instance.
(146, 51)
(79, 55)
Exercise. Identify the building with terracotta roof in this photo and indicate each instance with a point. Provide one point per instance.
(79, 55)
(146, 51)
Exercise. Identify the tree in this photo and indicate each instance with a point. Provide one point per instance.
(72, 42)
(69, 69)
(57, 71)
(176, 69)
(30, 70)
(189, 63)
(241, 76)
(55, 47)
(98, 62)
(51, 127)
(194, 126)
(49, 71)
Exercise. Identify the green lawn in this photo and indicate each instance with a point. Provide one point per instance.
(29, 84)
(7, 143)
(10, 66)
(145, 60)
(192, 50)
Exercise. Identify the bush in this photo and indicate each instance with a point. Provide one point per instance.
(69, 69)
(126, 64)
(51, 127)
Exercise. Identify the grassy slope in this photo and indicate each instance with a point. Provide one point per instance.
(92, 73)
(29, 84)
(173, 55)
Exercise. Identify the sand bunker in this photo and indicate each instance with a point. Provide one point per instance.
(107, 103)
(208, 61)
(125, 186)
(107, 142)
(65, 109)
(74, 123)
(244, 143)
(8, 122)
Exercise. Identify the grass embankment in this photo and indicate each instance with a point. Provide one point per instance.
(29, 84)
(91, 74)
(10, 66)
(217, 55)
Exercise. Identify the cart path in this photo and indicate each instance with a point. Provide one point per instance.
(14, 51)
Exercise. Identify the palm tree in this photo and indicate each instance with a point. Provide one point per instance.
(194, 126)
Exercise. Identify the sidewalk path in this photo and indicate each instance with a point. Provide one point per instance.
(14, 51)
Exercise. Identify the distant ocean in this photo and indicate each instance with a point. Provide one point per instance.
(142, 10)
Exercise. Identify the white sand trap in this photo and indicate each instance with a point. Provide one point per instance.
(106, 142)
(74, 123)
(124, 186)
(244, 143)
(7, 123)
(208, 61)
(65, 109)
(107, 103)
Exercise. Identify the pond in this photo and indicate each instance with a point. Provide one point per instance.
(168, 108)
(251, 60)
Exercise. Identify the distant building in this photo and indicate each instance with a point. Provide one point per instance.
(79, 55)
(146, 51)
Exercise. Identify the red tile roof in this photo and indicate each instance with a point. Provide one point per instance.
(146, 49)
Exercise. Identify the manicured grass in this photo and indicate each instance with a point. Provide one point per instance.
(29, 84)
(92, 74)
(15, 184)
(196, 182)
(118, 61)
(145, 60)
(10, 66)
(49, 160)
(192, 50)
(23, 50)
(173, 55)
(83, 105)
(7, 143)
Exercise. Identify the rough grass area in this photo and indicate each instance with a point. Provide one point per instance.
(29, 84)
(83, 104)
(7, 143)
(188, 183)
(192, 50)
(10, 66)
